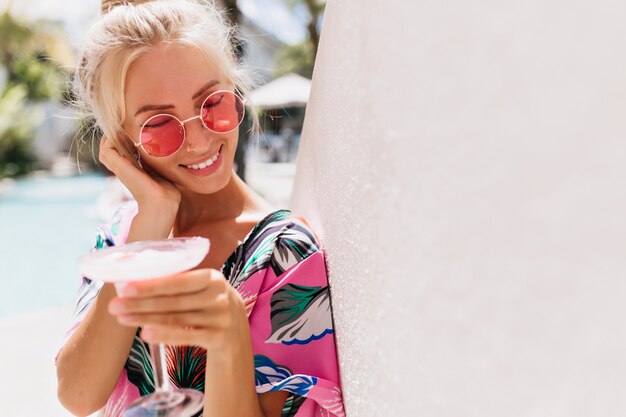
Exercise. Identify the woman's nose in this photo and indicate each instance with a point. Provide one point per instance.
(198, 139)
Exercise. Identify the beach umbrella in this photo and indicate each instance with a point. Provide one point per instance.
(290, 90)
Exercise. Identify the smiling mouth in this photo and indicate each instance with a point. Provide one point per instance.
(204, 164)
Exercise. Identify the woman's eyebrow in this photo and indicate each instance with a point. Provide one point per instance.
(204, 88)
(149, 107)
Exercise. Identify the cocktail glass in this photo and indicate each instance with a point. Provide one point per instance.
(141, 261)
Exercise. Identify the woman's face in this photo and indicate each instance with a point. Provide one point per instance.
(176, 79)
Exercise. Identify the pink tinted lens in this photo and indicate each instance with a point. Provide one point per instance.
(162, 135)
(222, 111)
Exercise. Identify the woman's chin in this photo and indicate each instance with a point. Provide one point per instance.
(206, 185)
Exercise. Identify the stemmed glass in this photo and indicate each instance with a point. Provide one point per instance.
(141, 261)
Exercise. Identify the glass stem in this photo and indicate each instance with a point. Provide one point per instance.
(161, 377)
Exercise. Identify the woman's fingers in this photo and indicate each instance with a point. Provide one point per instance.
(177, 336)
(124, 169)
(202, 302)
(109, 156)
(196, 319)
(121, 166)
(145, 184)
(184, 283)
(193, 290)
(168, 304)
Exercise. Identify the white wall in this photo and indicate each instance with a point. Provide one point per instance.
(465, 163)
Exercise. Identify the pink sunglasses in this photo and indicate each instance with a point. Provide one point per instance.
(163, 134)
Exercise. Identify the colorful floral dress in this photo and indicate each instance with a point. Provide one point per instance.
(280, 271)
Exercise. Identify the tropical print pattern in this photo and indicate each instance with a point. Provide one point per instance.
(280, 271)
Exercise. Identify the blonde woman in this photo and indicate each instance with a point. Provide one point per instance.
(251, 327)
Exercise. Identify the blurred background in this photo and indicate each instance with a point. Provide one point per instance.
(53, 192)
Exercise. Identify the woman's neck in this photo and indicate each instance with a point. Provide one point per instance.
(230, 202)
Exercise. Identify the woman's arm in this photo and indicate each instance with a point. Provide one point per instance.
(90, 363)
(92, 359)
(200, 308)
(230, 384)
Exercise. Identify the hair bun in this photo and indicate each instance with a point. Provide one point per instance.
(108, 5)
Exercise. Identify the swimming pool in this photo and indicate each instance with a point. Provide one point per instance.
(45, 223)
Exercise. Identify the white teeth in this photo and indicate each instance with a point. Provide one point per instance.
(206, 163)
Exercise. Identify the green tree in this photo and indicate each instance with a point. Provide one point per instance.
(30, 76)
(296, 58)
(41, 79)
(15, 37)
(315, 9)
(300, 58)
(17, 125)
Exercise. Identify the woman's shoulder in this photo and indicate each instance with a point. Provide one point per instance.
(278, 241)
(295, 243)
(282, 228)
(285, 224)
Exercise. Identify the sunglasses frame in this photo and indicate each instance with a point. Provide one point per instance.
(183, 122)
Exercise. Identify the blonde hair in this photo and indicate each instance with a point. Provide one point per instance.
(128, 29)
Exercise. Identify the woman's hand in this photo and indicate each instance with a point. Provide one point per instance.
(194, 308)
(147, 188)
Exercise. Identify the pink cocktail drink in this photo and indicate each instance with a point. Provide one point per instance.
(145, 260)
(141, 261)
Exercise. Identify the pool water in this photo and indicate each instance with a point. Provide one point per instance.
(45, 224)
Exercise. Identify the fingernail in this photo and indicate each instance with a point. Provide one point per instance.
(116, 307)
(129, 291)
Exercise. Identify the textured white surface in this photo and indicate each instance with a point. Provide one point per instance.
(465, 164)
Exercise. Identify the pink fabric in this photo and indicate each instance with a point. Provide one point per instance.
(289, 314)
